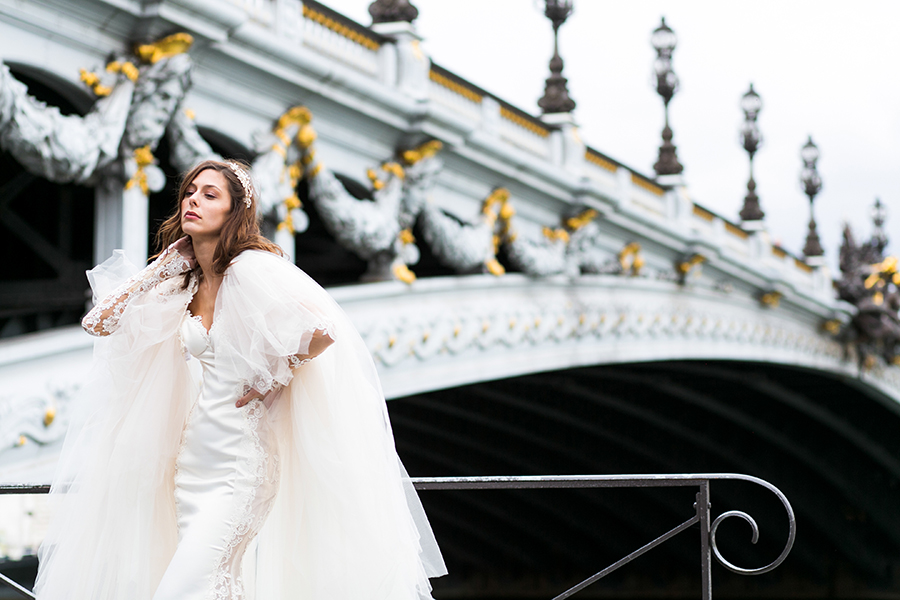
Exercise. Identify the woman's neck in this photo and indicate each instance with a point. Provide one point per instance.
(204, 250)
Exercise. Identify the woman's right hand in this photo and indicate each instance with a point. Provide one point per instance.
(185, 247)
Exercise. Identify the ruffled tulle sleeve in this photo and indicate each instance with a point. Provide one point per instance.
(267, 313)
(347, 523)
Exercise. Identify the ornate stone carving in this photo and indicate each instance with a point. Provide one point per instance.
(571, 249)
(379, 231)
(38, 418)
(541, 257)
(187, 146)
(689, 266)
(133, 116)
(469, 247)
(278, 169)
(538, 321)
(62, 148)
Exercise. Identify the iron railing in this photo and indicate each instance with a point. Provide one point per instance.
(701, 516)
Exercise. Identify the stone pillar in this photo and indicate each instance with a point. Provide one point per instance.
(413, 65)
(135, 224)
(120, 220)
(568, 148)
(107, 218)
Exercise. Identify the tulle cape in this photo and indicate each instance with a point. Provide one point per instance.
(346, 525)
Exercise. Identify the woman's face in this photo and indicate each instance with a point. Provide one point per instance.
(206, 205)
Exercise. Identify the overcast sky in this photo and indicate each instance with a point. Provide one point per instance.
(821, 67)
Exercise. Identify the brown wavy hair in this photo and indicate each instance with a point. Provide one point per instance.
(241, 229)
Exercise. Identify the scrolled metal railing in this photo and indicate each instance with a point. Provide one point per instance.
(708, 547)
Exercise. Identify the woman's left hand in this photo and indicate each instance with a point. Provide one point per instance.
(253, 394)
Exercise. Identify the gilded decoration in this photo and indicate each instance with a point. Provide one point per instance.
(647, 185)
(771, 298)
(689, 266)
(630, 259)
(524, 123)
(353, 35)
(871, 283)
(595, 159)
(455, 87)
(170, 46)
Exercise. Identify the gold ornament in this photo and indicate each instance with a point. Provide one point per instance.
(177, 43)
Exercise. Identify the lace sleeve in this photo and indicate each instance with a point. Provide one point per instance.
(103, 319)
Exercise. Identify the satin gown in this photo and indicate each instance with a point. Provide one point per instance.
(226, 480)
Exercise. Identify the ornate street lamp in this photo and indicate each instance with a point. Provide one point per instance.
(812, 184)
(391, 11)
(879, 216)
(664, 41)
(751, 103)
(556, 95)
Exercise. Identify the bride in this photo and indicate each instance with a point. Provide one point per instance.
(232, 440)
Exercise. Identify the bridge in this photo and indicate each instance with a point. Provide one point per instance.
(534, 306)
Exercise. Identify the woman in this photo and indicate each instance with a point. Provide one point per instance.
(284, 442)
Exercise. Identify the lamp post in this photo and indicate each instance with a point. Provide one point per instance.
(664, 41)
(812, 184)
(556, 95)
(879, 216)
(751, 103)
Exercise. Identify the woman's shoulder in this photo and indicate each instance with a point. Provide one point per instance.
(251, 261)
(261, 277)
(260, 264)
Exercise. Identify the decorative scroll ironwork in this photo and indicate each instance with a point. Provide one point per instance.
(708, 546)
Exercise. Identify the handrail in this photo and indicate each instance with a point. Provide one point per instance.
(708, 547)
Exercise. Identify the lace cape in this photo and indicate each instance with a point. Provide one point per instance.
(346, 523)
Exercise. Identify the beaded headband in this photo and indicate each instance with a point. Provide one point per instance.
(244, 178)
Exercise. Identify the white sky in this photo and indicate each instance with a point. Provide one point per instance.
(822, 68)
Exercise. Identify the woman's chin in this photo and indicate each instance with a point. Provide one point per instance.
(191, 228)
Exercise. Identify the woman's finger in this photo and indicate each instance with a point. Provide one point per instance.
(251, 395)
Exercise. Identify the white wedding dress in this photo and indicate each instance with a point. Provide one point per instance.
(167, 491)
(226, 479)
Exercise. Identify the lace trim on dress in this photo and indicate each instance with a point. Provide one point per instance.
(198, 319)
(296, 361)
(224, 583)
(165, 267)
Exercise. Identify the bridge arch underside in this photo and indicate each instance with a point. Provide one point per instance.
(827, 441)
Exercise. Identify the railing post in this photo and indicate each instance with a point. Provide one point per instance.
(705, 550)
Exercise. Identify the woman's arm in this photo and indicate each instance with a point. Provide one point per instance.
(320, 341)
(103, 319)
